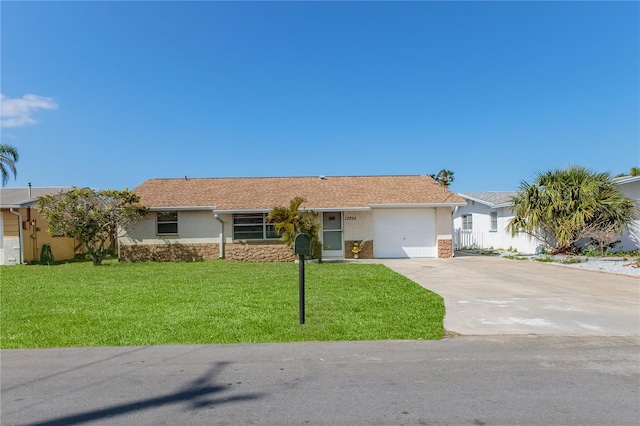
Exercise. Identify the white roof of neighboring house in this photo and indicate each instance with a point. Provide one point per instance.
(497, 199)
(625, 179)
(493, 199)
(19, 197)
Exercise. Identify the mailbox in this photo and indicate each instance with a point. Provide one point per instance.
(302, 245)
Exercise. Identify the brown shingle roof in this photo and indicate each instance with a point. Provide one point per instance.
(266, 193)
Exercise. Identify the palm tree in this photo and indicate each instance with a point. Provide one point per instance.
(290, 221)
(444, 178)
(8, 159)
(563, 206)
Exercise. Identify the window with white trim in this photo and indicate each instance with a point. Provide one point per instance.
(467, 222)
(494, 221)
(166, 223)
(253, 226)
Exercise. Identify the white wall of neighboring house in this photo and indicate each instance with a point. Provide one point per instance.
(631, 240)
(481, 236)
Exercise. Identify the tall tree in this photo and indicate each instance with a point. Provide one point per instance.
(444, 178)
(91, 217)
(8, 159)
(563, 206)
(290, 221)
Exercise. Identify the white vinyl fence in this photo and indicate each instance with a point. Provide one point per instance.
(467, 239)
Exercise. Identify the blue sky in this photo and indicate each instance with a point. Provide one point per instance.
(110, 94)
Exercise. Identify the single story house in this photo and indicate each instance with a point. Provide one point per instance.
(24, 230)
(630, 185)
(210, 218)
(483, 222)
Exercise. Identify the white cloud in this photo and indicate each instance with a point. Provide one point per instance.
(17, 112)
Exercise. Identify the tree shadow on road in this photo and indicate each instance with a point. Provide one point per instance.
(194, 394)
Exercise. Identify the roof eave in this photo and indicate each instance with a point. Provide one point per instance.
(487, 203)
(232, 211)
(415, 205)
(625, 179)
(178, 208)
(318, 209)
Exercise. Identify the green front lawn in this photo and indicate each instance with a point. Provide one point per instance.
(120, 304)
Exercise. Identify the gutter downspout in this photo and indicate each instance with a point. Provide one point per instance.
(453, 232)
(221, 244)
(19, 234)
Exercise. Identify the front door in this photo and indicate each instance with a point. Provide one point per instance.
(332, 235)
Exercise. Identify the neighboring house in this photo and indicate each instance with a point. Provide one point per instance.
(193, 219)
(483, 222)
(24, 230)
(630, 185)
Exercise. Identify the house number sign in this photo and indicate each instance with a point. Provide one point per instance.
(351, 218)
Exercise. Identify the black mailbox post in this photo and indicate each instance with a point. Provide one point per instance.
(301, 247)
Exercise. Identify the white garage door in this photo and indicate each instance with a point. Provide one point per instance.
(404, 233)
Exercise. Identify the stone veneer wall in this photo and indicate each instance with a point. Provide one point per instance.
(445, 249)
(258, 251)
(234, 252)
(168, 252)
(366, 253)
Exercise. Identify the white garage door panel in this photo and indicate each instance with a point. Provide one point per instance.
(404, 233)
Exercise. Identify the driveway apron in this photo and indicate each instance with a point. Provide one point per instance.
(489, 295)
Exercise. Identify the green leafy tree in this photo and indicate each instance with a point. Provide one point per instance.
(290, 221)
(8, 159)
(444, 178)
(91, 217)
(562, 207)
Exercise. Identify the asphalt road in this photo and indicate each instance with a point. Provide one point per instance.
(499, 380)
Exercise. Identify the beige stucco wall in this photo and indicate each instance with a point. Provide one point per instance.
(193, 227)
(358, 225)
(199, 231)
(444, 229)
(444, 224)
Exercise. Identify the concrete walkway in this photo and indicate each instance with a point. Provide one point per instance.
(489, 296)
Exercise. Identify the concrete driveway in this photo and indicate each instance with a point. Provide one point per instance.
(488, 295)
